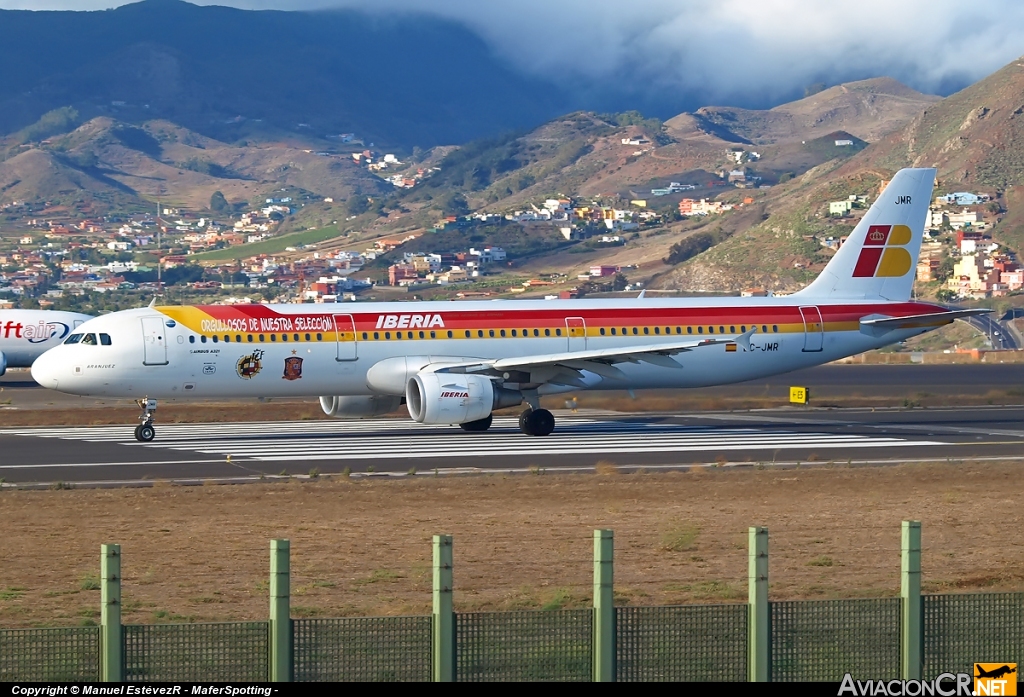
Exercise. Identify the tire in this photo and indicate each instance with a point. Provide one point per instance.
(542, 422)
(137, 436)
(145, 433)
(478, 425)
(524, 422)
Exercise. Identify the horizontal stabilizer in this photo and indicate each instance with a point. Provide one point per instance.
(932, 319)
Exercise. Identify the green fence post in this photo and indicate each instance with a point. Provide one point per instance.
(604, 607)
(280, 611)
(759, 646)
(444, 616)
(111, 640)
(912, 657)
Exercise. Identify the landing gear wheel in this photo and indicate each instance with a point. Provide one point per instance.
(479, 424)
(537, 422)
(145, 432)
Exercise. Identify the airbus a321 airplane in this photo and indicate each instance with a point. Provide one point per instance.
(27, 334)
(456, 362)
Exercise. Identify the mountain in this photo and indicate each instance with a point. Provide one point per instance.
(116, 164)
(868, 109)
(229, 74)
(975, 139)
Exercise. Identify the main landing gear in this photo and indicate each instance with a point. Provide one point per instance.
(145, 432)
(537, 422)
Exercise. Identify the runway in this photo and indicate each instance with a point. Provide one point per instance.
(238, 452)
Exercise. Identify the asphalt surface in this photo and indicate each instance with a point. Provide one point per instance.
(996, 331)
(109, 455)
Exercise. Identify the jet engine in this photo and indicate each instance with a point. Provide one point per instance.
(360, 407)
(447, 398)
(3, 363)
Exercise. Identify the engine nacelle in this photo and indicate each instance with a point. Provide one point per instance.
(3, 363)
(448, 398)
(360, 407)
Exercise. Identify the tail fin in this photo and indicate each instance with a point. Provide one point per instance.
(879, 259)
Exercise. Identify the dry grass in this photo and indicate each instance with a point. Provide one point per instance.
(363, 547)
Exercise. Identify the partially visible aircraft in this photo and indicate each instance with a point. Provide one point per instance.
(27, 334)
(456, 362)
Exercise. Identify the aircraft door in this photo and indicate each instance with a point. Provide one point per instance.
(154, 337)
(345, 330)
(576, 330)
(813, 328)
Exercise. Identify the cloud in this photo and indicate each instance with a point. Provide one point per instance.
(748, 52)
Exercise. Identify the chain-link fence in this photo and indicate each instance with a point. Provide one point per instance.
(523, 646)
(822, 640)
(693, 643)
(214, 652)
(69, 654)
(362, 649)
(961, 630)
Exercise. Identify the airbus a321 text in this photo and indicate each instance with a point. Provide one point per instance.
(456, 362)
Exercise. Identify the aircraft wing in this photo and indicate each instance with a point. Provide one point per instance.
(932, 319)
(565, 367)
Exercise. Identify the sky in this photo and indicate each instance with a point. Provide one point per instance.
(741, 52)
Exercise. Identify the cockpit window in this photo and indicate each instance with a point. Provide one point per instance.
(73, 339)
(89, 340)
(105, 339)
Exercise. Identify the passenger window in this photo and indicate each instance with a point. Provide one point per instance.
(365, 336)
(635, 330)
(775, 328)
(398, 335)
(711, 330)
(450, 335)
(376, 336)
(743, 329)
(422, 335)
(689, 330)
(215, 339)
(721, 330)
(202, 339)
(480, 333)
(613, 331)
(263, 337)
(679, 330)
(105, 339)
(433, 335)
(764, 328)
(700, 330)
(503, 332)
(602, 331)
(468, 334)
(284, 337)
(73, 339)
(191, 340)
(514, 333)
(558, 332)
(227, 338)
(732, 329)
(248, 338)
(647, 330)
(238, 338)
(89, 339)
(657, 330)
(387, 335)
(490, 332)
(547, 332)
(319, 337)
(536, 332)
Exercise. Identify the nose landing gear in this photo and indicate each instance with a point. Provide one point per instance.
(145, 432)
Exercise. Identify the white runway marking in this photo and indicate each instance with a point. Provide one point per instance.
(389, 439)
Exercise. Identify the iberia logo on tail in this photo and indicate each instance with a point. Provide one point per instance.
(884, 254)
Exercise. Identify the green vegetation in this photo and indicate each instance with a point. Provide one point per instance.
(274, 245)
(690, 247)
(51, 123)
(680, 539)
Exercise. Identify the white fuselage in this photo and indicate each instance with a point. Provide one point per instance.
(314, 350)
(27, 334)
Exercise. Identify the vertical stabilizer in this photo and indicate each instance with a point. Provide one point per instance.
(879, 259)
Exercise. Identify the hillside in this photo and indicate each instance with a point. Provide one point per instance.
(868, 109)
(230, 73)
(118, 163)
(975, 138)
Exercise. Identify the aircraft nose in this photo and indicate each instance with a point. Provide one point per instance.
(44, 370)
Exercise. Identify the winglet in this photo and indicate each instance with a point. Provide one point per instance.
(744, 338)
(641, 294)
(152, 303)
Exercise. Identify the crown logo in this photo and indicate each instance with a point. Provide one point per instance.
(876, 236)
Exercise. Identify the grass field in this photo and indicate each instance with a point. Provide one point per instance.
(363, 546)
(274, 245)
